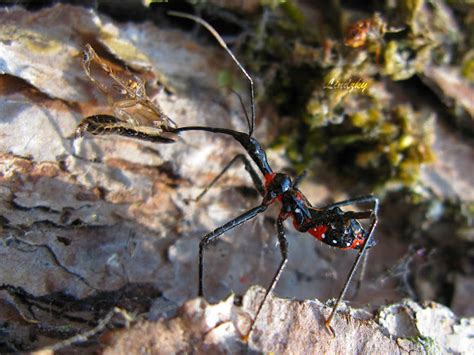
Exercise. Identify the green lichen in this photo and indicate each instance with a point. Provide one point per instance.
(34, 41)
(430, 346)
(272, 4)
(369, 131)
(390, 143)
(409, 10)
(467, 66)
(345, 100)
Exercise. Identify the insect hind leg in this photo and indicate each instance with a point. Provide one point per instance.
(356, 201)
(362, 252)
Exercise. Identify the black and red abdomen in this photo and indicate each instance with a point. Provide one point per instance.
(331, 228)
(344, 238)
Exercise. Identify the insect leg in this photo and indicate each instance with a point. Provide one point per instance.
(284, 256)
(248, 166)
(359, 256)
(359, 215)
(212, 236)
(355, 201)
(361, 276)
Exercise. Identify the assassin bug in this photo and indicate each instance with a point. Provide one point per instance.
(329, 224)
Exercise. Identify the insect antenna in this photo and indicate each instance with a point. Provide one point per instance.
(219, 39)
(299, 178)
(247, 118)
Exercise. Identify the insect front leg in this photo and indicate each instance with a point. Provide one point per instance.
(248, 166)
(212, 236)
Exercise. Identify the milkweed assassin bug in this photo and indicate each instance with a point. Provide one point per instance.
(329, 224)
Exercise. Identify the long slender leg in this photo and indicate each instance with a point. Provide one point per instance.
(359, 200)
(357, 260)
(361, 276)
(248, 166)
(354, 201)
(210, 237)
(284, 259)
